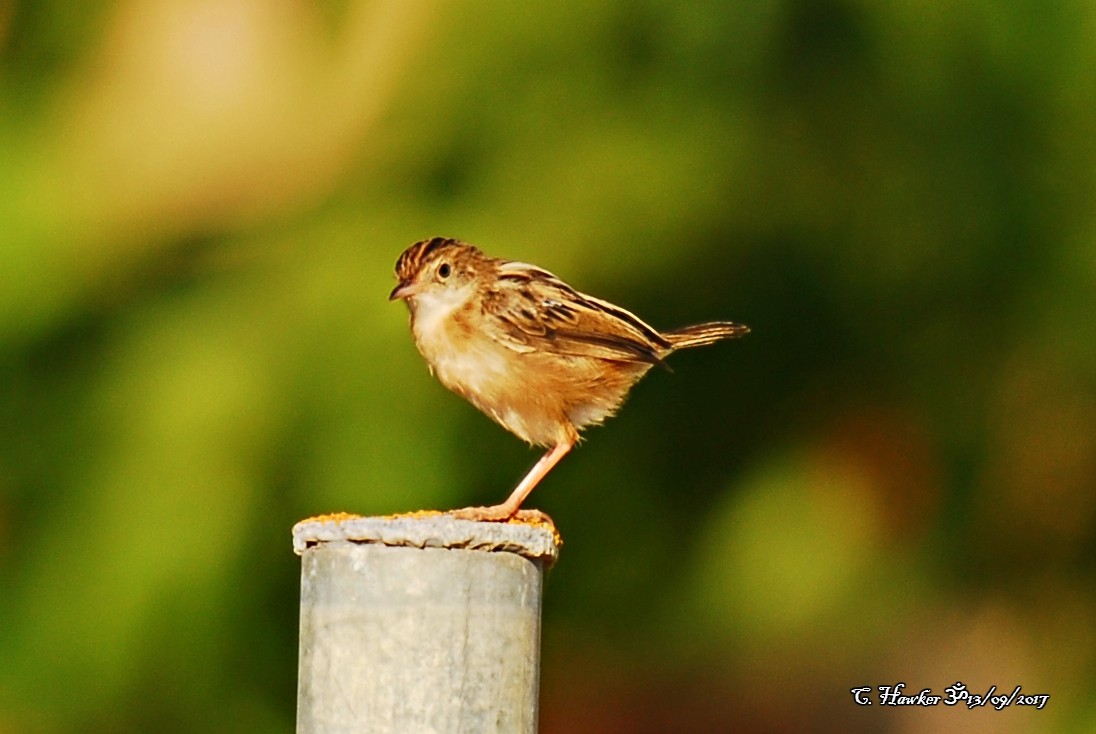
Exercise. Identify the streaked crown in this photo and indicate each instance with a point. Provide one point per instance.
(415, 256)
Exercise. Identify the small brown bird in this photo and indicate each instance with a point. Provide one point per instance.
(537, 356)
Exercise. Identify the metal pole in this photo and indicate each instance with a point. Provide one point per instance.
(420, 624)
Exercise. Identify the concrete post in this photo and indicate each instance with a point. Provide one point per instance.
(420, 624)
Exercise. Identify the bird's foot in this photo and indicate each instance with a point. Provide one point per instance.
(500, 513)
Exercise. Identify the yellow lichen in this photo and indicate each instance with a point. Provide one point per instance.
(534, 518)
(335, 517)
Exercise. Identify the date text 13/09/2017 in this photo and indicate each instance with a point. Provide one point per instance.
(954, 694)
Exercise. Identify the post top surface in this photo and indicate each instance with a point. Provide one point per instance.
(536, 539)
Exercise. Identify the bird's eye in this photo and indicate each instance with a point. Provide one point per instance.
(444, 270)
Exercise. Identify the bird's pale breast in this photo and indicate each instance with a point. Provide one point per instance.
(543, 398)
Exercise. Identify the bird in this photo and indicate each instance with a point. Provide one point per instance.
(537, 356)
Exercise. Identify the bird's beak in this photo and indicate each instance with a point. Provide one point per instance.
(402, 290)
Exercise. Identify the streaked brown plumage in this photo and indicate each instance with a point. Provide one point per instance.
(537, 356)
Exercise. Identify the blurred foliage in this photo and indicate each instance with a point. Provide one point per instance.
(892, 479)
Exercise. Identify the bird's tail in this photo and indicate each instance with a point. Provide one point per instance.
(701, 334)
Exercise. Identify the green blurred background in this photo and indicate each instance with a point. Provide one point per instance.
(893, 478)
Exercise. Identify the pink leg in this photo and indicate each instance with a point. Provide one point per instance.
(509, 508)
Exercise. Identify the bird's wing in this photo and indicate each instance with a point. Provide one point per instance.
(535, 311)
